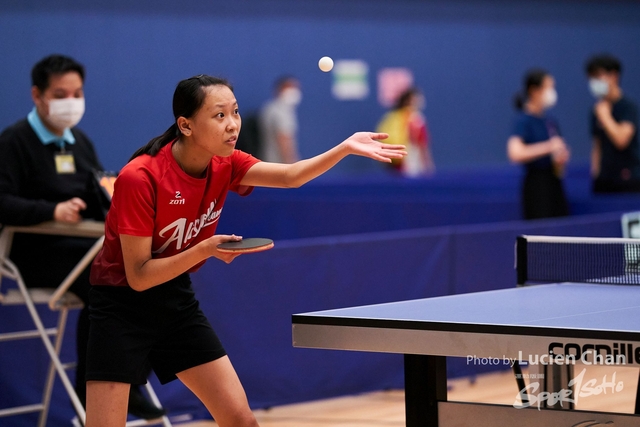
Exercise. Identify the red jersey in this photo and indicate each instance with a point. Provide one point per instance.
(154, 197)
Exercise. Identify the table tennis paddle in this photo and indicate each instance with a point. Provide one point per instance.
(246, 246)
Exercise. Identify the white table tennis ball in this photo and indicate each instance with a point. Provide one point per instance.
(325, 64)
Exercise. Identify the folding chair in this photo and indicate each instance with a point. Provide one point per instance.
(630, 223)
(60, 300)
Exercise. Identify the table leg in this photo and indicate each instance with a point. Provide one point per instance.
(637, 407)
(556, 379)
(425, 384)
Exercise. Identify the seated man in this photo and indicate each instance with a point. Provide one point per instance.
(45, 174)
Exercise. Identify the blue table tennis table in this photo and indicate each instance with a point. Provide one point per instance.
(560, 319)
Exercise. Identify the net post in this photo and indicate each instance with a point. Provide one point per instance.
(521, 260)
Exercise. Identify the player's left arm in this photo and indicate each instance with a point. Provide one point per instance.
(278, 175)
(620, 133)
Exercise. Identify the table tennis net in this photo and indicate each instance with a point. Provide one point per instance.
(549, 259)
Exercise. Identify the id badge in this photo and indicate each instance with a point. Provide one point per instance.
(65, 163)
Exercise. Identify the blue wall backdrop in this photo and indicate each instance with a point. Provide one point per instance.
(468, 56)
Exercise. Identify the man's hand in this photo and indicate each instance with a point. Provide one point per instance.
(69, 211)
(620, 133)
(602, 110)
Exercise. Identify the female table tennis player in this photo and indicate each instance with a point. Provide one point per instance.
(160, 227)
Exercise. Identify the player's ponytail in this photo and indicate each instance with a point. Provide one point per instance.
(153, 147)
(187, 100)
(532, 80)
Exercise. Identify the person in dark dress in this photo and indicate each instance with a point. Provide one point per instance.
(536, 142)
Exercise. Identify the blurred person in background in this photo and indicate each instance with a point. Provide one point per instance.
(278, 123)
(406, 125)
(537, 144)
(615, 161)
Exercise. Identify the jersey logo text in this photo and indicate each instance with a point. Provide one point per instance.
(178, 199)
(182, 233)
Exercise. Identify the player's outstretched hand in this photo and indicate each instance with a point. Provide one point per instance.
(367, 144)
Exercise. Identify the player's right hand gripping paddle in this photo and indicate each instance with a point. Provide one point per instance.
(246, 246)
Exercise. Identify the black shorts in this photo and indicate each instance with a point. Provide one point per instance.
(161, 328)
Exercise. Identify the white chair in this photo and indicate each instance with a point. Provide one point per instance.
(630, 225)
(59, 300)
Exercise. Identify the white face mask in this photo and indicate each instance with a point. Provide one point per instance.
(599, 88)
(549, 97)
(65, 113)
(291, 96)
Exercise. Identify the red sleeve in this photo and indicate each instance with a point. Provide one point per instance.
(241, 162)
(134, 197)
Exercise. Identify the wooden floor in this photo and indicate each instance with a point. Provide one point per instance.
(386, 408)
